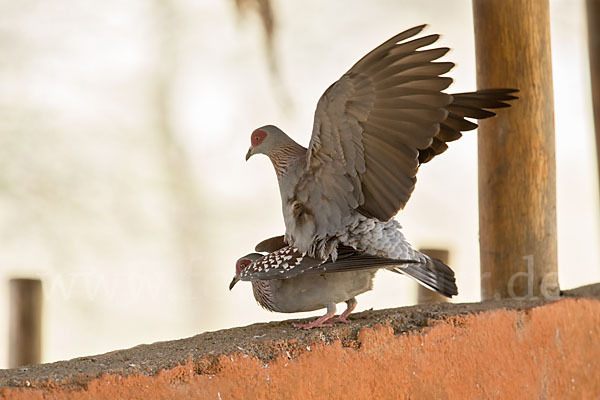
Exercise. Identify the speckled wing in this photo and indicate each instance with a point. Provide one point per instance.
(280, 264)
(288, 262)
(368, 129)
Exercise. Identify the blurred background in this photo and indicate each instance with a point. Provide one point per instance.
(123, 130)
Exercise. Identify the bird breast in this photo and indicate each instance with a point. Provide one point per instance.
(311, 292)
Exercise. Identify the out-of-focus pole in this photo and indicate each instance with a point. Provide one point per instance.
(517, 167)
(25, 336)
(593, 17)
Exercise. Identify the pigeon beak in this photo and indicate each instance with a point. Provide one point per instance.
(249, 153)
(234, 281)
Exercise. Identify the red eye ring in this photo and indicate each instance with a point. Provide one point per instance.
(258, 136)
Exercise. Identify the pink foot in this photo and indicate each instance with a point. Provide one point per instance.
(311, 325)
(341, 319)
(319, 322)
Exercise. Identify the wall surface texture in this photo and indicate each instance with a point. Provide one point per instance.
(498, 349)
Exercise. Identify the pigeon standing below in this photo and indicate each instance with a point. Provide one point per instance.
(372, 129)
(286, 281)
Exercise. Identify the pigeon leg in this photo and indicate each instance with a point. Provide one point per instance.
(321, 321)
(342, 318)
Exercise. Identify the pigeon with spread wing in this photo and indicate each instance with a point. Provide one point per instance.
(372, 130)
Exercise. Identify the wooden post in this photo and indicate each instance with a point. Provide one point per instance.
(517, 168)
(25, 336)
(593, 18)
(425, 295)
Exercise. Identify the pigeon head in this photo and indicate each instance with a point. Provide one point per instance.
(242, 264)
(264, 139)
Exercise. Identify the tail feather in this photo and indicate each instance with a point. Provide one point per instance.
(474, 105)
(434, 275)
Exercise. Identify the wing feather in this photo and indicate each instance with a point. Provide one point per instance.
(369, 127)
(375, 126)
(271, 244)
(466, 105)
(288, 262)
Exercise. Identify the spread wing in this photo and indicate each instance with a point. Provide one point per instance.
(369, 127)
(465, 105)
